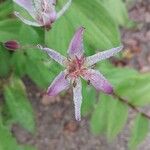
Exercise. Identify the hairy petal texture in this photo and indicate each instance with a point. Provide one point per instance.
(59, 84)
(76, 44)
(27, 5)
(28, 22)
(64, 9)
(98, 81)
(55, 55)
(77, 98)
(91, 60)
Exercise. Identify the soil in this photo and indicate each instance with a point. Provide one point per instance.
(56, 127)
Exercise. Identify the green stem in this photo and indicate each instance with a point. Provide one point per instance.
(130, 105)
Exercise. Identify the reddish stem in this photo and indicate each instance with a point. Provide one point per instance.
(130, 105)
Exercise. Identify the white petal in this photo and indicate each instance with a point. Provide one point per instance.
(54, 55)
(28, 22)
(91, 60)
(77, 98)
(63, 10)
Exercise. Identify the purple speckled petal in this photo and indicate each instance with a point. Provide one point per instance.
(91, 60)
(55, 55)
(77, 98)
(98, 81)
(59, 84)
(64, 9)
(26, 4)
(76, 44)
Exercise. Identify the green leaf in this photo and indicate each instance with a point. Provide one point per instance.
(26, 147)
(139, 131)
(4, 62)
(116, 74)
(136, 89)
(38, 72)
(101, 31)
(99, 120)
(28, 35)
(118, 7)
(18, 104)
(19, 63)
(9, 29)
(117, 118)
(16, 30)
(6, 8)
(7, 141)
(89, 96)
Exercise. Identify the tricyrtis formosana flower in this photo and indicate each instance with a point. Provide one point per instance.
(42, 11)
(78, 66)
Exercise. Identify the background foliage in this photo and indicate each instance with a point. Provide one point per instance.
(108, 115)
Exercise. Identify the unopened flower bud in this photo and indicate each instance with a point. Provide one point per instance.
(11, 45)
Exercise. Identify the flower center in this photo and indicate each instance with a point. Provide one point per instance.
(76, 67)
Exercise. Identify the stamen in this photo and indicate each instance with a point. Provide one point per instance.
(74, 83)
(66, 76)
(68, 58)
(88, 82)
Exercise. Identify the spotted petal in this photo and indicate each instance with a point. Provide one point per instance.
(59, 84)
(64, 9)
(98, 81)
(55, 55)
(77, 98)
(76, 44)
(91, 60)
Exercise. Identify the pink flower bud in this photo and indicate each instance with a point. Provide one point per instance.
(11, 45)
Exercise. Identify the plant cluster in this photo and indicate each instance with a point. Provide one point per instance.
(20, 57)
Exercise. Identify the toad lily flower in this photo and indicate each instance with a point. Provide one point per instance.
(77, 65)
(42, 11)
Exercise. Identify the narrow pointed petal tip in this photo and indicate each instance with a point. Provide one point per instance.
(40, 46)
(64, 9)
(91, 60)
(54, 55)
(78, 118)
(76, 45)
